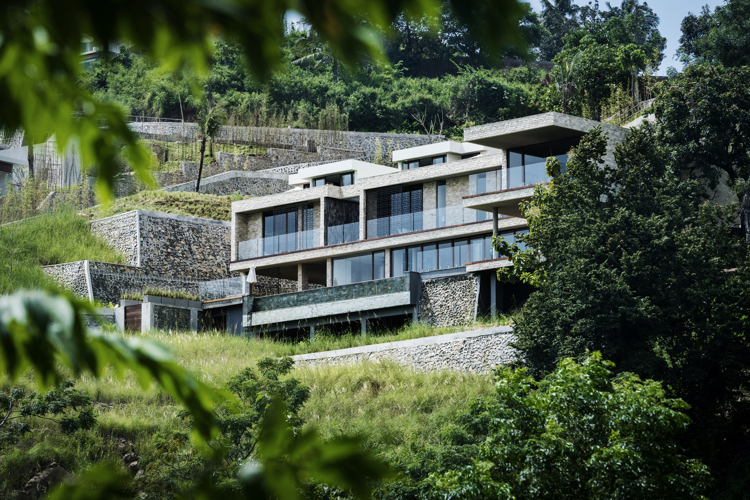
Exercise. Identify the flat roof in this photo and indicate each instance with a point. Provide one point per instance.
(534, 129)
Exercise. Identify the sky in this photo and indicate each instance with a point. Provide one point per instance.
(670, 12)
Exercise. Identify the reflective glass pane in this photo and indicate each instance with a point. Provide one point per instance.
(445, 254)
(413, 261)
(460, 253)
(477, 250)
(398, 262)
(429, 258)
(488, 247)
(378, 265)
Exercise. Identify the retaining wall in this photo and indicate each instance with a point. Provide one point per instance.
(169, 245)
(448, 301)
(477, 351)
(244, 183)
(107, 282)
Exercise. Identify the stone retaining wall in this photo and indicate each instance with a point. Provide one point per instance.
(171, 318)
(169, 245)
(110, 281)
(448, 301)
(121, 233)
(477, 351)
(244, 183)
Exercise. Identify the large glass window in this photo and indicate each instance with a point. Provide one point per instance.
(526, 165)
(289, 228)
(398, 262)
(441, 204)
(445, 255)
(442, 255)
(358, 268)
(346, 179)
(429, 258)
(424, 162)
(394, 210)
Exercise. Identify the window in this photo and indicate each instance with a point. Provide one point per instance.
(394, 210)
(441, 255)
(289, 228)
(424, 162)
(398, 262)
(441, 204)
(469, 155)
(526, 165)
(358, 268)
(346, 179)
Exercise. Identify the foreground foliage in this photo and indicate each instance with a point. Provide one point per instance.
(638, 266)
(580, 432)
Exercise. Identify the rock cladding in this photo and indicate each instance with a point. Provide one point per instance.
(448, 301)
(480, 351)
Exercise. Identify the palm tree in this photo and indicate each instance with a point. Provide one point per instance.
(311, 47)
(210, 120)
(564, 76)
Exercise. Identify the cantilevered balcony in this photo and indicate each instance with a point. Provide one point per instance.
(273, 245)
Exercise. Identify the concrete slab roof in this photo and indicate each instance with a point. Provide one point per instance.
(533, 129)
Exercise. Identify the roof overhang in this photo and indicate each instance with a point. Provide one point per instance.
(533, 129)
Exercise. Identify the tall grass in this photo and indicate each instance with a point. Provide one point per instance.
(206, 206)
(395, 409)
(53, 238)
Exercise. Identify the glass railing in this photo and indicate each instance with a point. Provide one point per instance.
(426, 219)
(343, 233)
(532, 174)
(272, 245)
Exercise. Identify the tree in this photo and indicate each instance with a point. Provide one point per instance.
(703, 117)
(210, 122)
(580, 432)
(721, 36)
(558, 19)
(636, 265)
(564, 77)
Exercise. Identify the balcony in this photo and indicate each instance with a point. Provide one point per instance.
(273, 245)
(420, 221)
(343, 233)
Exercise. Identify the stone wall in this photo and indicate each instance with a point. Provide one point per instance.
(121, 233)
(478, 351)
(244, 183)
(169, 245)
(110, 281)
(171, 318)
(72, 276)
(448, 301)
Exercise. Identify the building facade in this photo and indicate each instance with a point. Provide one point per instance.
(389, 244)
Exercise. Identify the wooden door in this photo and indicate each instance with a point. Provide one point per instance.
(133, 318)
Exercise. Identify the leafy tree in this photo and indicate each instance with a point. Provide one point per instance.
(582, 431)
(636, 265)
(69, 407)
(703, 117)
(558, 19)
(721, 36)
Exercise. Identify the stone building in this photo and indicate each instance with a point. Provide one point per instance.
(393, 244)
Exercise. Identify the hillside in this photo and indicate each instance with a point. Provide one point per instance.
(206, 206)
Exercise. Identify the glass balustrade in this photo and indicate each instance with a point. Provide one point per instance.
(272, 245)
(343, 233)
(419, 221)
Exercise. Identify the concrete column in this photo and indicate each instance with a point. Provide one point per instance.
(494, 231)
(301, 277)
(364, 325)
(244, 283)
(312, 332)
(387, 262)
(493, 296)
(322, 222)
(362, 215)
(193, 319)
(329, 272)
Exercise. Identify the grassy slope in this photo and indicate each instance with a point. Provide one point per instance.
(206, 206)
(49, 239)
(396, 409)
